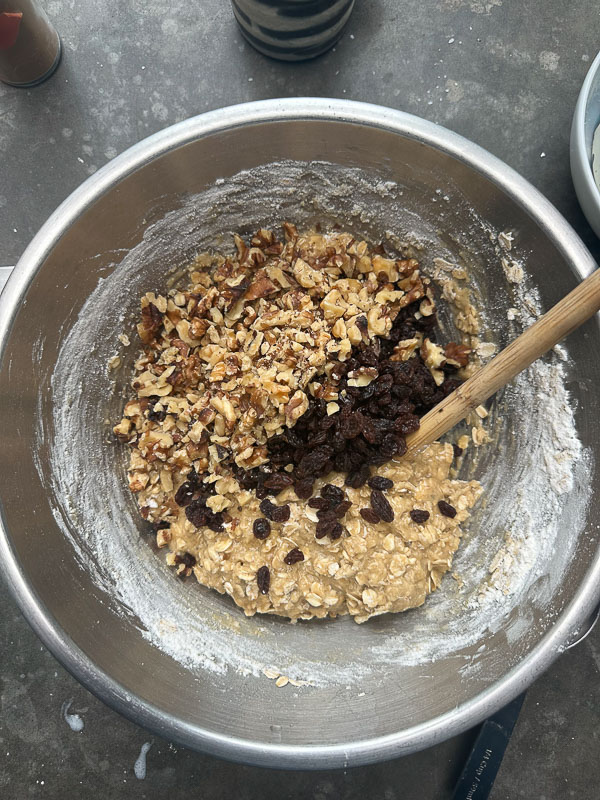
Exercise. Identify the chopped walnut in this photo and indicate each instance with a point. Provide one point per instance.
(433, 355)
(406, 348)
(362, 376)
(163, 537)
(236, 350)
(296, 407)
(457, 354)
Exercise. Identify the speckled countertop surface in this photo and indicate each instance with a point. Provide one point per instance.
(503, 73)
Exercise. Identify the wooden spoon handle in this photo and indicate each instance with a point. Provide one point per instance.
(567, 315)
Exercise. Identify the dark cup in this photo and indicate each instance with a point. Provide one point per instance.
(292, 30)
(30, 48)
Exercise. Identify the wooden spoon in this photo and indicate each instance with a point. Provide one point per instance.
(567, 315)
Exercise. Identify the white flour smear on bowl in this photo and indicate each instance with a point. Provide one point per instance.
(533, 482)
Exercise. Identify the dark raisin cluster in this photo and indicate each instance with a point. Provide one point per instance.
(192, 495)
(371, 425)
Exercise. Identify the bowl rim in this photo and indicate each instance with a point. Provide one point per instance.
(354, 753)
(588, 192)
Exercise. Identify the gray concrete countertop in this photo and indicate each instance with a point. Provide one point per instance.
(502, 73)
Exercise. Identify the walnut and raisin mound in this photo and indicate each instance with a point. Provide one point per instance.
(380, 398)
(314, 352)
(278, 365)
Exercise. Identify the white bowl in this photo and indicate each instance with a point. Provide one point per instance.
(585, 121)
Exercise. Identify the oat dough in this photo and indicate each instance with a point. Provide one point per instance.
(259, 341)
(377, 568)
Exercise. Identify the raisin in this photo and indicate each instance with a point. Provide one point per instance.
(215, 521)
(343, 462)
(446, 509)
(402, 447)
(278, 481)
(381, 483)
(407, 424)
(275, 513)
(333, 492)
(223, 454)
(185, 558)
(319, 502)
(294, 556)
(389, 446)
(281, 513)
(267, 507)
(185, 494)
(326, 513)
(419, 515)
(358, 478)
(383, 384)
(325, 527)
(313, 462)
(247, 478)
(155, 416)
(381, 506)
(368, 356)
(336, 531)
(303, 489)
(201, 516)
(382, 426)
(338, 442)
(263, 579)
(369, 515)
(449, 386)
(261, 528)
(370, 432)
(458, 451)
(362, 324)
(318, 439)
(196, 513)
(341, 508)
(351, 426)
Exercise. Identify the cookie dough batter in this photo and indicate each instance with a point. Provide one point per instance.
(272, 400)
(368, 571)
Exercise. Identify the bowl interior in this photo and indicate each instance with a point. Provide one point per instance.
(592, 112)
(185, 659)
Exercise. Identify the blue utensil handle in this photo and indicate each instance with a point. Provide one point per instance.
(479, 773)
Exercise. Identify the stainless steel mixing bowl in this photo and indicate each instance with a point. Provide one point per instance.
(140, 214)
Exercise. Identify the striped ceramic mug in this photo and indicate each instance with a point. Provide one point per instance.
(292, 30)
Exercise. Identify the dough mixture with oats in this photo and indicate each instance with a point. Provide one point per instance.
(267, 431)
